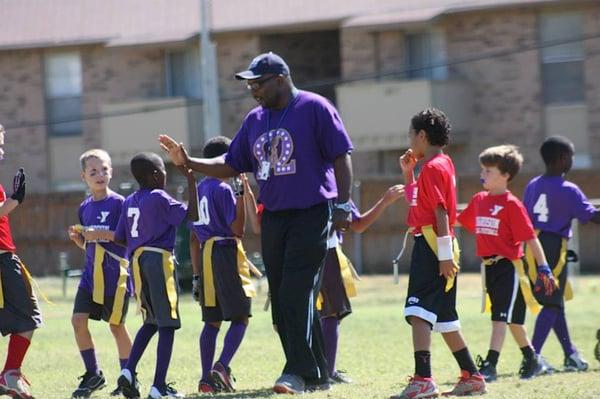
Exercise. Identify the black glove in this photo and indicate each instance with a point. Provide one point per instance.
(19, 186)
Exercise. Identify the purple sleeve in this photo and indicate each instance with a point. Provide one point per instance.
(583, 210)
(239, 156)
(174, 212)
(333, 138)
(120, 230)
(527, 200)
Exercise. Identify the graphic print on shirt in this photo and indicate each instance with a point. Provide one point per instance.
(275, 148)
(487, 224)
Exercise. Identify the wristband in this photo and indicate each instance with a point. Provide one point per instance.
(444, 245)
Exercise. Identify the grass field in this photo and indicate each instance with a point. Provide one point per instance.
(375, 348)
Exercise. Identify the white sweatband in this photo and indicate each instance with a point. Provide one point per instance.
(444, 246)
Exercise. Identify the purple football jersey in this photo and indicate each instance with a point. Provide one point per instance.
(102, 215)
(552, 203)
(216, 209)
(299, 144)
(150, 219)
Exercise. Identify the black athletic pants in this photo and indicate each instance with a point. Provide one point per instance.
(294, 246)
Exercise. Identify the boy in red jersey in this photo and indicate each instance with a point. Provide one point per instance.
(501, 226)
(431, 299)
(19, 311)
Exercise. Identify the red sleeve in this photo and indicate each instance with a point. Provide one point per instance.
(520, 224)
(467, 217)
(433, 188)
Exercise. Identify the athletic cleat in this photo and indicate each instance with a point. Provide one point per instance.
(468, 385)
(130, 387)
(222, 377)
(289, 383)
(90, 382)
(575, 363)
(14, 384)
(545, 367)
(167, 392)
(418, 388)
(486, 369)
(208, 387)
(116, 392)
(597, 348)
(530, 368)
(340, 377)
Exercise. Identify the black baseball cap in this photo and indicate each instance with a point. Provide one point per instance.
(264, 64)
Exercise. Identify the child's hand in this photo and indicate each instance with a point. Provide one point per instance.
(175, 151)
(448, 268)
(545, 280)
(75, 233)
(393, 194)
(407, 161)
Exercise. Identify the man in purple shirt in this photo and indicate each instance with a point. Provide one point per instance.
(147, 225)
(297, 147)
(552, 203)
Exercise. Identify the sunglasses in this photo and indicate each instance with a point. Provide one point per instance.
(259, 83)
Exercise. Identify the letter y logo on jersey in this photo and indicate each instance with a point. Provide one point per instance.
(103, 216)
(497, 208)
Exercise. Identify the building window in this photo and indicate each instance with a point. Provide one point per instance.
(183, 73)
(62, 78)
(426, 55)
(562, 65)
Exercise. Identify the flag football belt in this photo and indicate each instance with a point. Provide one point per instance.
(348, 274)
(244, 267)
(98, 277)
(525, 287)
(556, 270)
(27, 277)
(168, 264)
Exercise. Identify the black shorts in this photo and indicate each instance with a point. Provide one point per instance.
(553, 248)
(502, 285)
(20, 312)
(333, 293)
(85, 304)
(231, 300)
(426, 298)
(160, 290)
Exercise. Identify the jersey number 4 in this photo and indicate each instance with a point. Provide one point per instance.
(135, 214)
(541, 209)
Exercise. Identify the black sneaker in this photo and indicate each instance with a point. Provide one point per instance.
(116, 392)
(129, 385)
(530, 368)
(597, 348)
(340, 377)
(90, 382)
(486, 369)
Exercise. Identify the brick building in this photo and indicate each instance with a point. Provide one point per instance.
(113, 74)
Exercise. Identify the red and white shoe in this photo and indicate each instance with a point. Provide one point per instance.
(14, 384)
(468, 385)
(418, 388)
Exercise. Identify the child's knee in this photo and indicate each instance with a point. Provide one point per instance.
(117, 329)
(79, 322)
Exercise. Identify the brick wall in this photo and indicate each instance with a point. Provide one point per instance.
(21, 101)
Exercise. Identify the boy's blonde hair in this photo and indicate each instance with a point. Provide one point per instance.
(506, 158)
(94, 153)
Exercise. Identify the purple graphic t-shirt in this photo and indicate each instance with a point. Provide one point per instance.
(150, 219)
(216, 209)
(296, 147)
(102, 215)
(552, 203)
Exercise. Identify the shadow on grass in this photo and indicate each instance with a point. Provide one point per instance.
(249, 393)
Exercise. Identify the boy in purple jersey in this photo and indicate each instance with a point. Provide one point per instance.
(552, 203)
(147, 225)
(105, 287)
(221, 280)
(298, 149)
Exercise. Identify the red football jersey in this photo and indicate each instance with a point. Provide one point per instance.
(435, 186)
(6, 241)
(500, 224)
